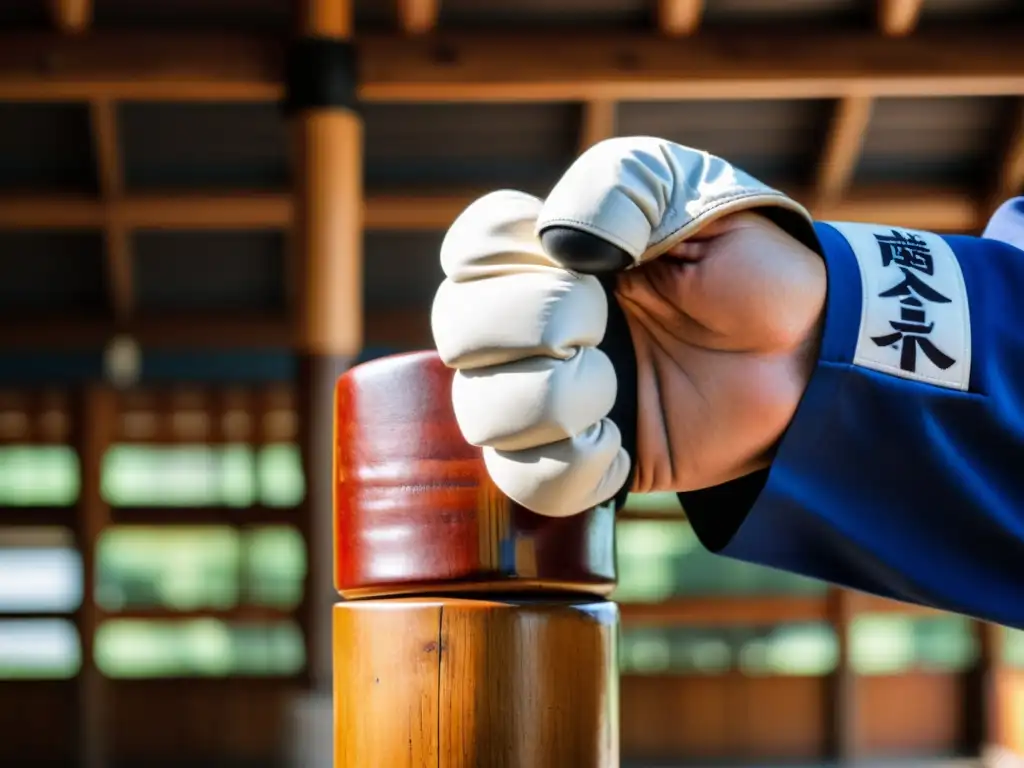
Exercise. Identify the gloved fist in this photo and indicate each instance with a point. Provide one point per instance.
(678, 370)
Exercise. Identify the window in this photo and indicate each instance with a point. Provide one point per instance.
(38, 475)
(39, 649)
(885, 644)
(210, 567)
(658, 560)
(274, 566)
(202, 475)
(198, 648)
(785, 649)
(281, 480)
(40, 571)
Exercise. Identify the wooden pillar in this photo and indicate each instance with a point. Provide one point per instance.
(843, 711)
(327, 274)
(473, 632)
(983, 700)
(95, 417)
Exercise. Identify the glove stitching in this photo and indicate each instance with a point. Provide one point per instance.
(712, 208)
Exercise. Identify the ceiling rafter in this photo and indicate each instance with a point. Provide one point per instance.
(117, 237)
(71, 16)
(898, 18)
(489, 67)
(841, 150)
(679, 18)
(597, 123)
(418, 17)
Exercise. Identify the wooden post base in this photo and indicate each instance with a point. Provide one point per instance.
(464, 683)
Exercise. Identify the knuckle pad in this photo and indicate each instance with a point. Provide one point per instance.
(494, 235)
(499, 320)
(563, 478)
(534, 401)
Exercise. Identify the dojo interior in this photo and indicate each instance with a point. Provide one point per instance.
(165, 564)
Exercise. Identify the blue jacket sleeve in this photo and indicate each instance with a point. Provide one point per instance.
(902, 473)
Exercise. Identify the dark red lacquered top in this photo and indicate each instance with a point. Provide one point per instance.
(416, 513)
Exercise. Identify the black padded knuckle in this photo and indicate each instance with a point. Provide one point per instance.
(583, 252)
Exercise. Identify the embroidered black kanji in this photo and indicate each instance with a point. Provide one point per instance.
(906, 250)
(913, 284)
(912, 329)
(910, 333)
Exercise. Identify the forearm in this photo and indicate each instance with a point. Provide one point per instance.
(905, 483)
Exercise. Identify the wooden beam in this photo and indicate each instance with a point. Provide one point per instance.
(945, 209)
(677, 18)
(188, 331)
(407, 329)
(842, 149)
(120, 66)
(859, 602)
(30, 211)
(897, 18)
(204, 210)
(597, 122)
(418, 17)
(414, 211)
(72, 17)
(502, 67)
(733, 65)
(109, 172)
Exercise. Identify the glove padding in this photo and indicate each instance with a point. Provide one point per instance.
(532, 386)
(644, 196)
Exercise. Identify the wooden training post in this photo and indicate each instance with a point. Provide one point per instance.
(474, 633)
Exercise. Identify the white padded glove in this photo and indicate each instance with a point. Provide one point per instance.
(645, 195)
(532, 386)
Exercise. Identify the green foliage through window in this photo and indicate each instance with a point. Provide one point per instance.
(785, 649)
(198, 648)
(659, 560)
(888, 644)
(38, 475)
(156, 476)
(202, 475)
(182, 568)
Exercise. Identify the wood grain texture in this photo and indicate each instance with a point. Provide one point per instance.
(456, 683)
(327, 231)
(416, 512)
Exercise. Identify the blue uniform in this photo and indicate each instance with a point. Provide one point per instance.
(902, 473)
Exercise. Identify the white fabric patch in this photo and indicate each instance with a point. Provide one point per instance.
(915, 322)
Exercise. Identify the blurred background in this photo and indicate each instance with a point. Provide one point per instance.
(164, 560)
